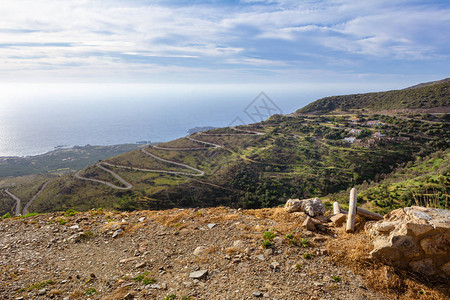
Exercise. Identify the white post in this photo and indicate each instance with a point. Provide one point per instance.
(336, 209)
(351, 211)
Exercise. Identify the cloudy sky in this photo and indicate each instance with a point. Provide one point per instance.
(388, 42)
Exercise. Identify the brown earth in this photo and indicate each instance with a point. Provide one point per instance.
(150, 255)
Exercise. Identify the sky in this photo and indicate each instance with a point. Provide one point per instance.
(378, 44)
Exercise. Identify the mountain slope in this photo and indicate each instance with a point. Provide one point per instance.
(421, 97)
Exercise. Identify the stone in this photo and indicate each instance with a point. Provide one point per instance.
(257, 294)
(140, 265)
(260, 257)
(42, 292)
(199, 250)
(238, 244)
(437, 244)
(338, 219)
(419, 229)
(312, 207)
(201, 274)
(274, 265)
(212, 225)
(322, 218)
(141, 219)
(268, 252)
(445, 268)
(116, 233)
(424, 266)
(74, 227)
(128, 296)
(415, 237)
(309, 224)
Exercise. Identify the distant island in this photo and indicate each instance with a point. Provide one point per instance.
(198, 129)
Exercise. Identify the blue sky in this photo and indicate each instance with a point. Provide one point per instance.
(344, 42)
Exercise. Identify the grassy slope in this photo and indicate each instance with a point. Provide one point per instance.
(255, 171)
(436, 95)
(425, 181)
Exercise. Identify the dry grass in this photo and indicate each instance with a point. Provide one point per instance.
(352, 250)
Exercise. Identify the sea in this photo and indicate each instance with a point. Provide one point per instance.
(40, 117)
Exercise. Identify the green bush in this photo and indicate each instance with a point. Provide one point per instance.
(266, 244)
(7, 215)
(268, 235)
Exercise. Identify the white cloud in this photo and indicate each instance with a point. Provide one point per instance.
(97, 37)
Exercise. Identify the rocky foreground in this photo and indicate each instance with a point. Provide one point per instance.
(215, 253)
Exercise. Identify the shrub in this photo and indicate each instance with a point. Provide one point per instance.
(62, 221)
(266, 244)
(29, 215)
(90, 292)
(336, 278)
(305, 243)
(70, 212)
(307, 255)
(170, 297)
(7, 215)
(41, 285)
(268, 235)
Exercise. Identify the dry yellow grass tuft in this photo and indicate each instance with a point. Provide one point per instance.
(352, 250)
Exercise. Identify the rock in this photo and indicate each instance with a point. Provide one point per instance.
(128, 296)
(141, 219)
(413, 237)
(116, 233)
(199, 250)
(275, 265)
(260, 257)
(76, 238)
(309, 224)
(212, 225)
(437, 244)
(322, 218)
(268, 252)
(74, 227)
(42, 292)
(312, 207)
(338, 219)
(140, 265)
(238, 244)
(257, 294)
(424, 266)
(199, 274)
(445, 268)
(19, 298)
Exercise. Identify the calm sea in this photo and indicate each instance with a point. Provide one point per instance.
(36, 118)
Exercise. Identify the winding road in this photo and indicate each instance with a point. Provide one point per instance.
(19, 201)
(198, 172)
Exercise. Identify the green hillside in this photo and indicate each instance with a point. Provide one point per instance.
(291, 157)
(264, 164)
(424, 182)
(421, 97)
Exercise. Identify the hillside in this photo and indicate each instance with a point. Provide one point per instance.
(259, 165)
(422, 96)
(253, 166)
(103, 254)
(423, 182)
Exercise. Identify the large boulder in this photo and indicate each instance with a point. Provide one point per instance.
(312, 207)
(414, 237)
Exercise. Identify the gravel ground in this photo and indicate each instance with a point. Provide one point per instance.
(150, 255)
